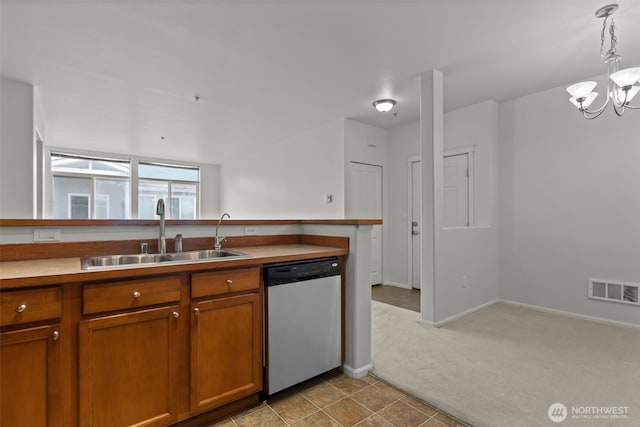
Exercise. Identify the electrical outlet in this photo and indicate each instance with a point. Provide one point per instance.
(46, 235)
(464, 281)
(250, 231)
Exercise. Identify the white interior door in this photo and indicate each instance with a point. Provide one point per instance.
(456, 190)
(415, 224)
(365, 201)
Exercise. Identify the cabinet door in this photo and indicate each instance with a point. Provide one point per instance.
(128, 369)
(30, 377)
(226, 350)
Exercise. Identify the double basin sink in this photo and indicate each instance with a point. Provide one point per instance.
(88, 263)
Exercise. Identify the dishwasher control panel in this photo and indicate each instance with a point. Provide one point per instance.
(275, 274)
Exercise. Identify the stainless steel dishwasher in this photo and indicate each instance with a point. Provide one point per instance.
(303, 321)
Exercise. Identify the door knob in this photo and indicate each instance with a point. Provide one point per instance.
(414, 223)
(414, 232)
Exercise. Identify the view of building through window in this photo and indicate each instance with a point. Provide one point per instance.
(100, 188)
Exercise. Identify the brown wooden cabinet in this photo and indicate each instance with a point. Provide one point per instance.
(226, 350)
(30, 357)
(30, 377)
(128, 369)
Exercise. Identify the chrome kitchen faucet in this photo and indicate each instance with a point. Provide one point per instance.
(162, 243)
(219, 239)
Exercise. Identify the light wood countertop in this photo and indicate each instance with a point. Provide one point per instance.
(20, 274)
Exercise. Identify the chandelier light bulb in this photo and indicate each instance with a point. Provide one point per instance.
(582, 89)
(619, 95)
(626, 77)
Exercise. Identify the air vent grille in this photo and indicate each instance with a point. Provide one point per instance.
(607, 290)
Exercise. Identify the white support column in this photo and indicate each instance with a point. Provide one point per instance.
(431, 151)
(358, 304)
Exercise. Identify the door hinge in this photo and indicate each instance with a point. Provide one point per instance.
(467, 172)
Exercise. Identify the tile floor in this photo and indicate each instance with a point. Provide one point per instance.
(337, 400)
(400, 297)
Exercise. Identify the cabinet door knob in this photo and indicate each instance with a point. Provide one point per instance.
(229, 282)
(21, 308)
(196, 311)
(136, 294)
(55, 335)
(176, 314)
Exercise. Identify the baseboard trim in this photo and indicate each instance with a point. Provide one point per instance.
(357, 373)
(397, 285)
(571, 314)
(465, 313)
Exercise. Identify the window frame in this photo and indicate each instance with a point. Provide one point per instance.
(133, 178)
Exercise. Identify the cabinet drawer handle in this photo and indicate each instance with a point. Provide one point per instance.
(136, 294)
(229, 282)
(55, 335)
(21, 308)
(196, 311)
(176, 314)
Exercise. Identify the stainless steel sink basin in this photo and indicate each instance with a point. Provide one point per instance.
(88, 263)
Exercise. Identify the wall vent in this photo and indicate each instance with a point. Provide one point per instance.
(606, 290)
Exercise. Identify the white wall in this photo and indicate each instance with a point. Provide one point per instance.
(467, 265)
(17, 150)
(569, 204)
(289, 179)
(477, 126)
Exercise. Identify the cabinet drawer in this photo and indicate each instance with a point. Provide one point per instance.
(224, 281)
(29, 306)
(124, 294)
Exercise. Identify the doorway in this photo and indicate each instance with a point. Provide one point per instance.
(365, 201)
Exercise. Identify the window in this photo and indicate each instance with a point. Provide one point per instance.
(91, 187)
(169, 182)
(86, 188)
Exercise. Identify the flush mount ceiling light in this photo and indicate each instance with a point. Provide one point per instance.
(384, 105)
(621, 84)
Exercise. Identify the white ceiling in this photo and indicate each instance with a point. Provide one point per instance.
(116, 76)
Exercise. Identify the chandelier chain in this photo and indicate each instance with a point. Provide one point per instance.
(612, 36)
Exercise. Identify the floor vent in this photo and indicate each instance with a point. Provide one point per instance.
(626, 293)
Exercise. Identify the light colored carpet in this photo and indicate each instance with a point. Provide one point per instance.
(505, 365)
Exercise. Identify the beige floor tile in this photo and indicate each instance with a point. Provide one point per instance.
(373, 398)
(374, 421)
(432, 423)
(370, 379)
(348, 385)
(248, 410)
(429, 410)
(261, 417)
(293, 407)
(347, 412)
(323, 394)
(402, 415)
(391, 391)
(319, 419)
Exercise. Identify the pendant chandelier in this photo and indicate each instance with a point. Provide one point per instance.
(621, 84)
